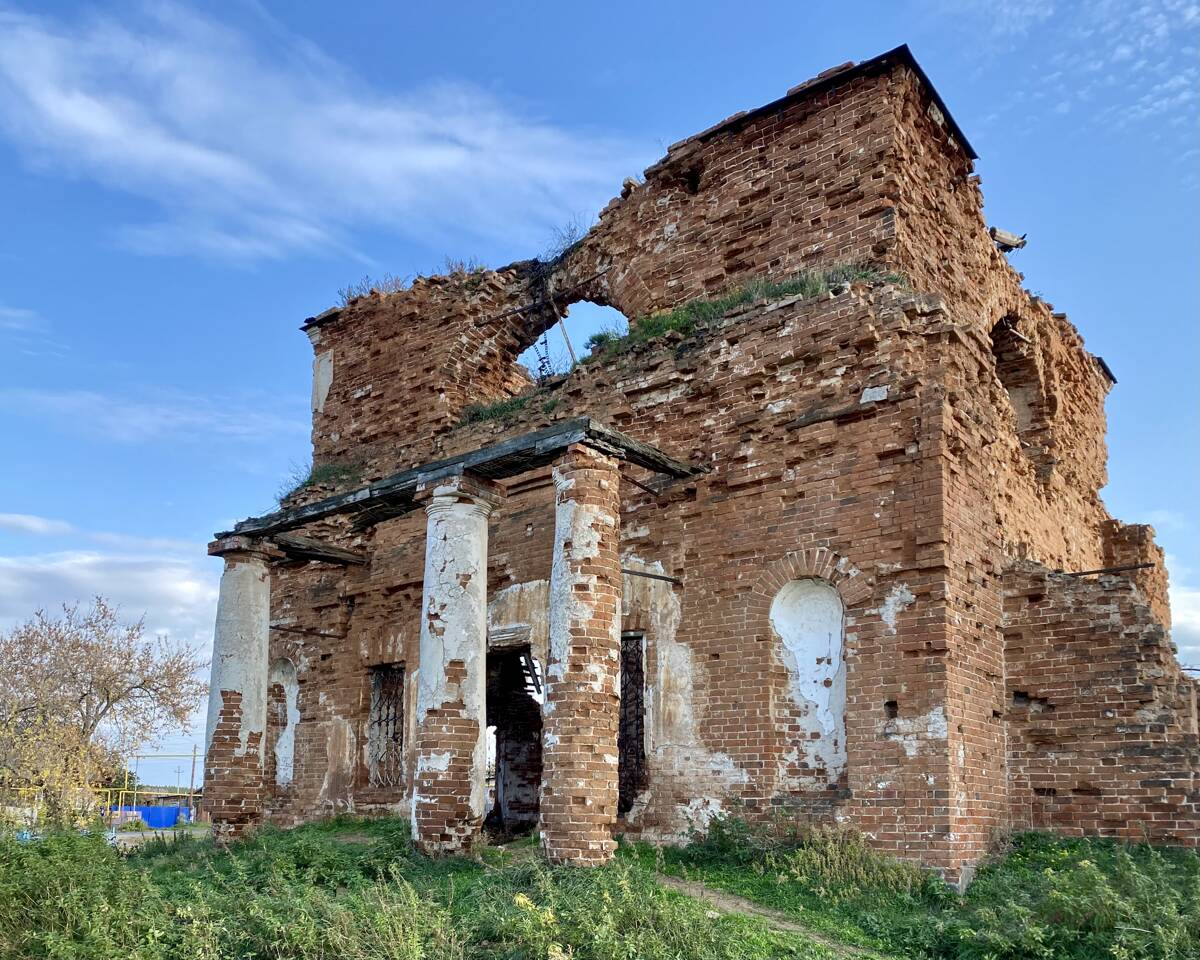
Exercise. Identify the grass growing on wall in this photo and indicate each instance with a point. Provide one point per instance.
(308, 475)
(687, 318)
(508, 407)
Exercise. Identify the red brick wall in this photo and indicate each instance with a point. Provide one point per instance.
(239, 804)
(913, 499)
(804, 185)
(1102, 722)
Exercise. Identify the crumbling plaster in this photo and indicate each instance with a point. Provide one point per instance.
(240, 649)
(806, 616)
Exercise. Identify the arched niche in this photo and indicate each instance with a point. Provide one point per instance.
(807, 616)
(283, 704)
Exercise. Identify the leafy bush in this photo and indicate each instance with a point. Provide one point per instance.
(1081, 899)
(840, 865)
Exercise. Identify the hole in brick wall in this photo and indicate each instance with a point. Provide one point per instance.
(891, 709)
(1021, 698)
(1045, 792)
(588, 326)
(690, 179)
(1017, 369)
(631, 733)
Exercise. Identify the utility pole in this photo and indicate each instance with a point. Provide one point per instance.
(191, 789)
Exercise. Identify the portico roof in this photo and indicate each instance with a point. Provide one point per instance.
(397, 494)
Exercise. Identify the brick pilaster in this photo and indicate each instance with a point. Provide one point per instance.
(579, 739)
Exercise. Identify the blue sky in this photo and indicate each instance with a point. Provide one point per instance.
(182, 184)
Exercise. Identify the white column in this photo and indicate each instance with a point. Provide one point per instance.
(235, 734)
(449, 786)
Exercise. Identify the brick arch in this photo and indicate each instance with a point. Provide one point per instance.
(852, 585)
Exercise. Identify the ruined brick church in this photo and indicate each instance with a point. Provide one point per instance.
(832, 555)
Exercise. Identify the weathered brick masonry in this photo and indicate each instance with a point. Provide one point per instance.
(841, 603)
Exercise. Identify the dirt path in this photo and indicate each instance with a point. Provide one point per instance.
(730, 903)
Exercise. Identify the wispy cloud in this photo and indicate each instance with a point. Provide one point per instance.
(169, 414)
(18, 318)
(26, 331)
(1004, 17)
(177, 596)
(1104, 63)
(36, 526)
(257, 149)
(32, 525)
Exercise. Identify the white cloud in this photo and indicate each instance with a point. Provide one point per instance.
(1162, 519)
(177, 595)
(172, 584)
(257, 149)
(168, 414)
(1185, 611)
(32, 525)
(1185, 623)
(38, 526)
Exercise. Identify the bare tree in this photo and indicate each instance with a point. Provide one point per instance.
(81, 693)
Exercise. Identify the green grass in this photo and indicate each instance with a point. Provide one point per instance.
(308, 475)
(686, 320)
(353, 889)
(1047, 899)
(690, 317)
(498, 410)
(508, 407)
(349, 890)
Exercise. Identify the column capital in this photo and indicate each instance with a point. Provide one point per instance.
(233, 546)
(579, 459)
(466, 488)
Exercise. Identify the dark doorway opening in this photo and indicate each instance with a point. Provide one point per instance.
(514, 710)
(631, 733)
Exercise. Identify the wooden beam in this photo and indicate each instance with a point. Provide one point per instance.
(303, 548)
(397, 494)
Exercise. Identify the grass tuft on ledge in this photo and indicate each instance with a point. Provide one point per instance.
(508, 407)
(686, 319)
(308, 475)
(499, 410)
